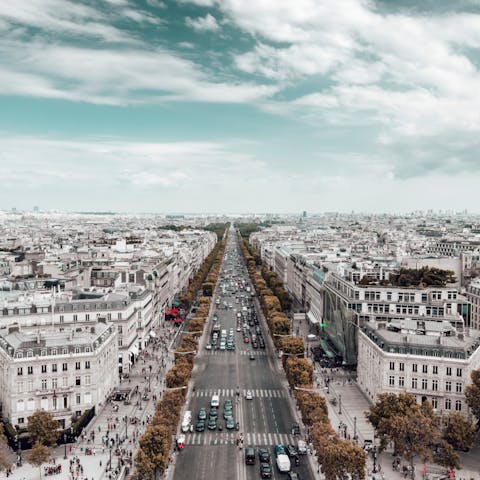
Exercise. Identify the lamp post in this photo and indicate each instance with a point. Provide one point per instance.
(374, 459)
(64, 445)
(339, 403)
(355, 428)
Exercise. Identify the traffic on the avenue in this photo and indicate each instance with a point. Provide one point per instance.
(239, 420)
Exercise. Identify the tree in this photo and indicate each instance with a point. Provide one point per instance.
(459, 432)
(43, 428)
(412, 434)
(340, 458)
(292, 345)
(446, 456)
(38, 455)
(299, 372)
(472, 394)
(154, 446)
(313, 407)
(5, 462)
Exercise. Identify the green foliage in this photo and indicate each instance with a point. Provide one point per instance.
(425, 276)
(459, 432)
(472, 394)
(43, 428)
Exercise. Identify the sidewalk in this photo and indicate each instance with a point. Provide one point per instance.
(350, 400)
(109, 423)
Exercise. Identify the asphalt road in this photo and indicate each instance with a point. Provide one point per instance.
(264, 421)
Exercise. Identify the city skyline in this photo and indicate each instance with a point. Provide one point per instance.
(221, 106)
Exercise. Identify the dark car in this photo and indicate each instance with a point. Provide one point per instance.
(200, 427)
(250, 456)
(291, 451)
(263, 455)
(213, 413)
(212, 424)
(265, 470)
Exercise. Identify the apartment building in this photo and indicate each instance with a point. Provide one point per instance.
(473, 295)
(429, 359)
(64, 373)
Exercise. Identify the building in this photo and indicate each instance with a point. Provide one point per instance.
(64, 373)
(429, 359)
(473, 295)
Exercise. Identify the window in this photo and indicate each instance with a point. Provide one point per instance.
(77, 381)
(64, 367)
(392, 365)
(44, 383)
(435, 385)
(402, 367)
(77, 398)
(30, 385)
(458, 405)
(54, 383)
(435, 370)
(414, 383)
(21, 420)
(30, 370)
(391, 380)
(414, 367)
(77, 365)
(62, 319)
(87, 380)
(44, 369)
(87, 364)
(119, 315)
(448, 386)
(449, 371)
(20, 387)
(120, 329)
(448, 404)
(54, 367)
(75, 318)
(424, 384)
(424, 368)
(458, 388)
(64, 381)
(87, 317)
(401, 381)
(459, 372)
(434, 402)
(20, 405)
(19, 371)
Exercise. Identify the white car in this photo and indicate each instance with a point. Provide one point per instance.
(208, 346)
(249, 395)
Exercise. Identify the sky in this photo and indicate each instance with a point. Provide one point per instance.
(226, 106)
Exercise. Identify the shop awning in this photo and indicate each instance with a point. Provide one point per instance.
(152, 334)
(133, 350)
(312, 319)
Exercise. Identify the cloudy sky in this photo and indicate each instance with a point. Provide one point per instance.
(238, 106)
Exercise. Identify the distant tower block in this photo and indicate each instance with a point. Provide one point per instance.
(304, 214)
(35, 209)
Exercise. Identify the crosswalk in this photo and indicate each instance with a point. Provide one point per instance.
(250, 439)
(258, 353)
(224, 393)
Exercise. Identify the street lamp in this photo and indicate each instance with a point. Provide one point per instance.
(339, 403)
(64, 445)
(355, 428)
(374, 459)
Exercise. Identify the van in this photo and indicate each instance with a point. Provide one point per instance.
(283, 463)
(187, 419)
(215, 402)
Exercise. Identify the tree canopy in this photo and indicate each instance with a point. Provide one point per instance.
(43, 428)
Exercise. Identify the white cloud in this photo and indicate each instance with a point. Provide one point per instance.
(157, 4)
(200, 3)
(112, 76)
(208, 23)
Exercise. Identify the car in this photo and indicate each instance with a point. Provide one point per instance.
(230, 423)
(202, 414)
(228, 403)
(239, 329)
(250, 456)
(263, 455)
(291, 451)
(265, 470)
(246, 339)
(302, 447)
(254, 344)
(208, 346)
(252, 356)
(212, 423)
(227, 414)
(200, 427)
(293, 476)
(213, 413)
(280, 450)
(249, 395)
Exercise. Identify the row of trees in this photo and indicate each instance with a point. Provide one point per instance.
(337, 456)
(155, 444)
(416, 431)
